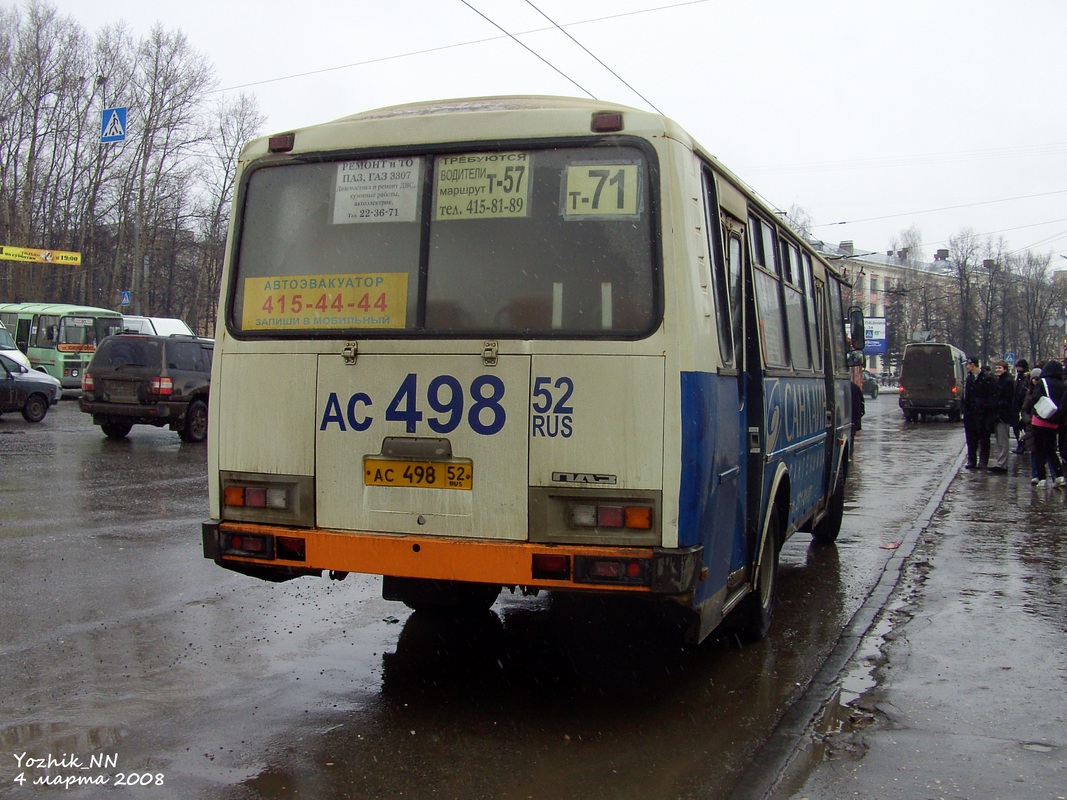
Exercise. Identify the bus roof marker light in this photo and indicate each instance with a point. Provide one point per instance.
(281, 143)
(606, 122)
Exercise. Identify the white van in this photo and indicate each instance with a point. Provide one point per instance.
(8, 348)
(160, 326)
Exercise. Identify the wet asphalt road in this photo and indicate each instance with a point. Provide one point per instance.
(957, 690)
(118, 638)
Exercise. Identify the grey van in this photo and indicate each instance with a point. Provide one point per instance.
(932, 381)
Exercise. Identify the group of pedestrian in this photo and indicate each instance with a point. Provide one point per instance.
(995, 405)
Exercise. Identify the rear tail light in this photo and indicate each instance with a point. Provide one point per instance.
(276, 499)
(256, 497)
(626, 571)
(249, 543)
(87, 382)
(290, 548)
(551, 566)
(264, 545)
(162, 386)
(611, 515)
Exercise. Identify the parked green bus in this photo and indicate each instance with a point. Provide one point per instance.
(58, 338)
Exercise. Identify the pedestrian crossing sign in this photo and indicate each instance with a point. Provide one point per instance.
(113, 125)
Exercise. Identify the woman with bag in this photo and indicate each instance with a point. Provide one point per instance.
(1046, 402)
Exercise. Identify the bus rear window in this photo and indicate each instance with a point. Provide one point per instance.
(522, 243)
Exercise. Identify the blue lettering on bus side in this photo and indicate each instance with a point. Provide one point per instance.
(552, 412)
(360, 424)
(796, 434)
(332, 413)
(444, 397)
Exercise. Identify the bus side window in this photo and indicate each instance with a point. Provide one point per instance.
(768, 294)
(795, 307)
(46, 332)
(737, 282)
(814, 328)
(719, 275)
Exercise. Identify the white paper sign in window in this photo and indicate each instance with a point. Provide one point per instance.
(377, 190)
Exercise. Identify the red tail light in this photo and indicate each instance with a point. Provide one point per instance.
(87, 382)
(164, 387)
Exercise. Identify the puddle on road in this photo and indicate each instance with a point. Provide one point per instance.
(837, 729)
(1038, 747)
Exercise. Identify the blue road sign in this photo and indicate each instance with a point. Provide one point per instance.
(113, 125)
(126, 298)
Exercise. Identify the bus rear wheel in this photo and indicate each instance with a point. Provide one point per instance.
(423, 594)
(756, 612)
(827, 529)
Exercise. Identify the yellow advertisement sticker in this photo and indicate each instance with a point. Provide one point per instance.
(309, 302)
(601, 190)
(482, 186)
(36, 256)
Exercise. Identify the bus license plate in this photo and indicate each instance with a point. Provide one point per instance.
(456, 474)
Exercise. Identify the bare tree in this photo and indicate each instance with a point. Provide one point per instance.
(100, 182)
(43, 58)
(800, 219)
(990, 293)
(1043, 300)
(234, 121)
(169, 83)
(965, 255)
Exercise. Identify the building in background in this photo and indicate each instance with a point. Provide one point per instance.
(903, 298)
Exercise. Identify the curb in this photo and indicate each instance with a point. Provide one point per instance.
(773, 758)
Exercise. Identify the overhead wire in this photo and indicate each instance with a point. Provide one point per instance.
(622, 80)
(821, 166)
(943, 208)
(527, 48)
(428, 50)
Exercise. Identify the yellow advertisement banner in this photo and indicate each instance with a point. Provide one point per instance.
(33, 255)
(368, 300)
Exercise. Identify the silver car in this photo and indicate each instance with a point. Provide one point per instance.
(26, 390)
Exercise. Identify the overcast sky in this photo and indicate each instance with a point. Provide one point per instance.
(879, 114)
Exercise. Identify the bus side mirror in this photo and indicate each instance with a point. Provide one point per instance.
(855, 358)
(857, 330)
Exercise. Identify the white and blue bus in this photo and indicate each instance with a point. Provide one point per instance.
(531, 343)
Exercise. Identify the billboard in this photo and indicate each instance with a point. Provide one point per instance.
(874, 337)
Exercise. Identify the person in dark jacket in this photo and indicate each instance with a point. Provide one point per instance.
(1049, 384)
(978, 412)
(1022, 388)
(1003, 400)
(859, 408)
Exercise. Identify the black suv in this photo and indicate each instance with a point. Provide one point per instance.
(151, 380)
